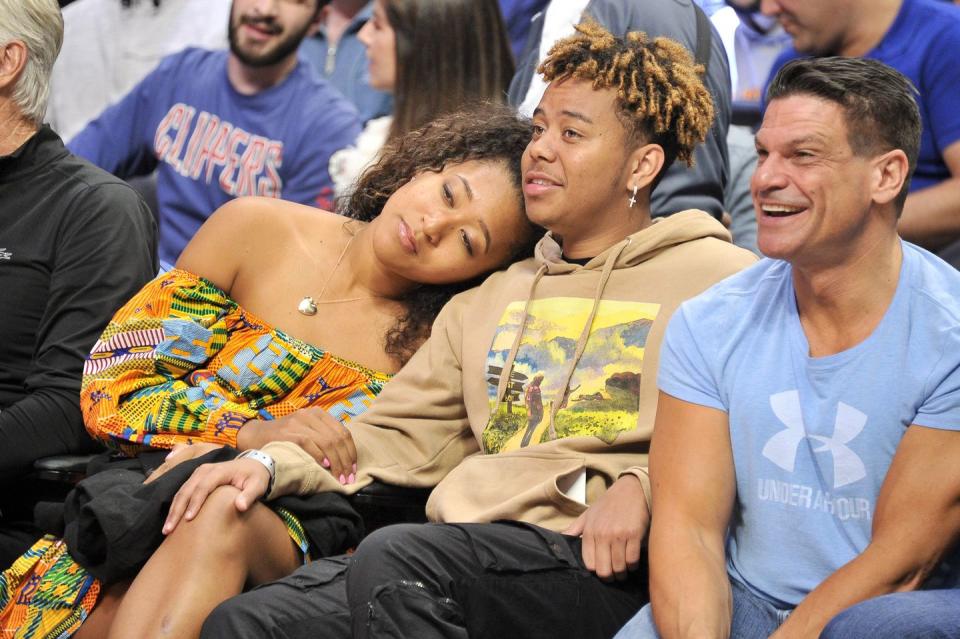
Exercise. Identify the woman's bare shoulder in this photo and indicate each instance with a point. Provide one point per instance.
(250, 229)
(266, 216)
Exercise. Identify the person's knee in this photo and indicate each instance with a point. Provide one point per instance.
(232, 620)
(896, 616)
(393, 585)
(385, 546)
(391, 555)
(218, 515)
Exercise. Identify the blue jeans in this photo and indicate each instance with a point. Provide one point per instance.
(925, 614)
(752, 617)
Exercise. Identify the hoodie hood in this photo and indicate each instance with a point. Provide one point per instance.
(638, 247)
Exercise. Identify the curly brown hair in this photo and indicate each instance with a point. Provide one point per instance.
(660, 95)
(488, 133)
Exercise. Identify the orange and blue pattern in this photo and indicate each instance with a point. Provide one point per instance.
(181, 362)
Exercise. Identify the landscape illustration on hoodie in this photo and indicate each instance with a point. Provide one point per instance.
(602, 396)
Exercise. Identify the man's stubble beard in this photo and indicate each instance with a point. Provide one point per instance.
(283, 47)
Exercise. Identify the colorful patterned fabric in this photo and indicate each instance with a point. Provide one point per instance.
(296, 531)
(45, 594)
(182, 362)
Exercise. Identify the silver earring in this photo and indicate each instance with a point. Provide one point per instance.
(633, 198)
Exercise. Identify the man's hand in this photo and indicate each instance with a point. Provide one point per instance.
(179, 454)
(312, 429)
(251, 477)
(613, 529)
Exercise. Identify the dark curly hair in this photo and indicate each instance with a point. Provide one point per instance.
(660, 95)
(489, 133)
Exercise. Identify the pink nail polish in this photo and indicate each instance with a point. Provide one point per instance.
(343, 479)
(325, 462)
(354, 468)
(351, 478)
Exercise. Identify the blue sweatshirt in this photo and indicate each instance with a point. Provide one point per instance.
(209, 143)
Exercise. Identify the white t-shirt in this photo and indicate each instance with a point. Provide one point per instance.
(108, 48)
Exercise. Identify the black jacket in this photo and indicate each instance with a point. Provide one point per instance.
(75, 244)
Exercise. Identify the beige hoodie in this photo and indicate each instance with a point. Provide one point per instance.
(581, 393)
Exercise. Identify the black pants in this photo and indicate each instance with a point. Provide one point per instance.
(432, 580)
(17, 528)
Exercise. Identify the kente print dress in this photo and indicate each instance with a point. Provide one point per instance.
(181, 362)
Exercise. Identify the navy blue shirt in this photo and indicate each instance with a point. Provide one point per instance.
(210, 144)
(923, 43)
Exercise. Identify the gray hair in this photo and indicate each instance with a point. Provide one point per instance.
(39, 25)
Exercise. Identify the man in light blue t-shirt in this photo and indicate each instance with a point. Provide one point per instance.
(808, 429)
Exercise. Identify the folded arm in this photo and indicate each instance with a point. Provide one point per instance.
(917, 520)
(135, 390)
(415, 431)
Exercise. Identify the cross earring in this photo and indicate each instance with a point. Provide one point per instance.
(633, 198)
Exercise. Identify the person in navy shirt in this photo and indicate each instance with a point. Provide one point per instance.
(216, 125)
(919, 38)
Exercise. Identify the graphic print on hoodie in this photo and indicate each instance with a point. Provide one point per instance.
(539, 405)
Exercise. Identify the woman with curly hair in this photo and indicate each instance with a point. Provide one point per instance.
(273, 312)
(435, 57)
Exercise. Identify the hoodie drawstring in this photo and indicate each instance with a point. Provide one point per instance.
(585, 332)
(504, 380)
(512, 355)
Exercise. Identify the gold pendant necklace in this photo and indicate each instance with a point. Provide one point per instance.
(308, 305)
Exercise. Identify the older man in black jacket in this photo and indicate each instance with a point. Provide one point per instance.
(75, 243)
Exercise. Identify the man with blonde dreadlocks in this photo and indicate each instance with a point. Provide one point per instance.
(583, 320)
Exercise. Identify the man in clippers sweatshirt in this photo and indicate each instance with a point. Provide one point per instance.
(584, 318)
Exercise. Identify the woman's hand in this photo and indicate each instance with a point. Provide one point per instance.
(179, 454)
(312, 429)
(249, 476)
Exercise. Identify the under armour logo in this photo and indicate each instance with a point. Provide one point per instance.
(782, 447)
(5, 254)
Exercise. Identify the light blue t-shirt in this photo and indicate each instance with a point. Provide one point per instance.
(813, 437)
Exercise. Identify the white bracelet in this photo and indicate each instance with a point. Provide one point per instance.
(266, 460)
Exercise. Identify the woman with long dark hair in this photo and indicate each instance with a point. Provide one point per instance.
(435, 57)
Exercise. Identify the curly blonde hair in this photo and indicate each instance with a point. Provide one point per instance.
(660, 94)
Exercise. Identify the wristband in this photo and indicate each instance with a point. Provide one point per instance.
(266, 460)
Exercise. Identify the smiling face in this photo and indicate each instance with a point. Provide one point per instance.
(450, 226)
(576, 173)
(811, 193)
(266, 32)
(381, 42)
